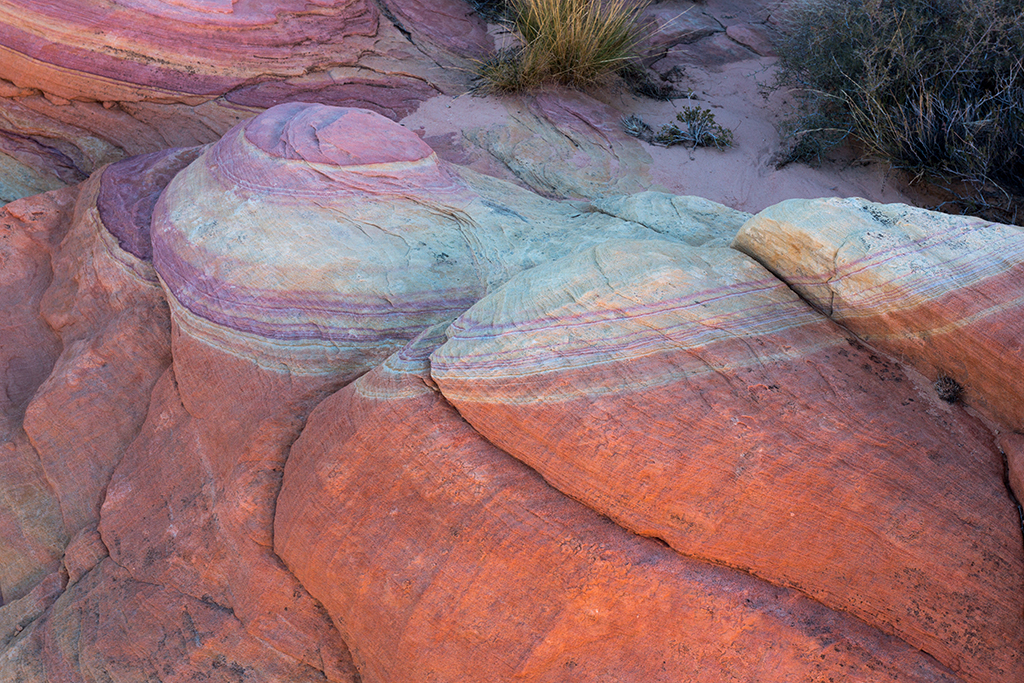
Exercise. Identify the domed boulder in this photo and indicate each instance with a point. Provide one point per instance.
(314, 237)
(323, 238)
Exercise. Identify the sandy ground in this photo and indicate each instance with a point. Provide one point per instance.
(725, 76)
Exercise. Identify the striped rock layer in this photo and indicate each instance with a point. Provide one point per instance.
(320, 239)
(130, 50)
(128, 192)
(945, 293)
(826, 520)
(692, 397)
(441, 558)
(87, 82)
(315, 236)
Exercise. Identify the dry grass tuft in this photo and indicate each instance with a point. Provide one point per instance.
(573, 42)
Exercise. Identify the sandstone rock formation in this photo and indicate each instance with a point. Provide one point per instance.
(244, 440)
(712, 408)
(335, 235)
(88, 82)
(442, 558)
(85, 83)
(30, 517)
(944, 293)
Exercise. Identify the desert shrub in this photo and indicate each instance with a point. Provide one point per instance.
(641, 83)
(696, 127)
(573, 42)
(491, 10)
(933, 86)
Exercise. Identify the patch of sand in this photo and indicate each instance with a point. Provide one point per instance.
(723, 75)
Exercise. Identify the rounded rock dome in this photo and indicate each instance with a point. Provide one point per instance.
(314, 238)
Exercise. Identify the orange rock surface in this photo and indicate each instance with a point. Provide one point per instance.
(441, 558)
(944, 293)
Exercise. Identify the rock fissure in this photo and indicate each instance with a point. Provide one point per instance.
(390, 16)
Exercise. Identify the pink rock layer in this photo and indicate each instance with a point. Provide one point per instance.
(86, 83)
(131, 50)
(441, 558)
(945, 293)
(692, 397)
(128, 192)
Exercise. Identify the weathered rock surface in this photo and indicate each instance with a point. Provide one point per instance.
(323, 238)
(31, 527)
(191, 504)
(245, 613)
(110, 314)
(303, 234)
(694, 221)
(567, 145)
(681, 24)
(167, 511)
(109, 626)
(86, 82)
(1012, 446)
(442, 558)
(692, 397)
(944, 293)
(90, 82)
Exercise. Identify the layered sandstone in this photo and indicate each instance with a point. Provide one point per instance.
(86, 82)
(442, 558)
(944, 293)
(692, 397)
(224, 458)
(322, 238)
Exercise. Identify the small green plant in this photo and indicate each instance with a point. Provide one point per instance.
(638, 128)
(932, 86)
(697, 128)
(573, 42)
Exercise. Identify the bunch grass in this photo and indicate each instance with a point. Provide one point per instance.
(577, 43)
